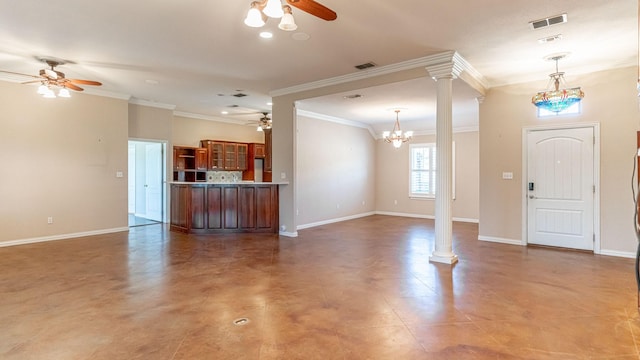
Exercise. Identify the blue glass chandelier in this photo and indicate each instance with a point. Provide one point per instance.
(556, 99)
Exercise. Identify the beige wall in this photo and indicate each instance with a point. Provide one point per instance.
(392, 178)
(335, 171)
(189, 131)
(60, 158)
(150, 123)
(610, 101)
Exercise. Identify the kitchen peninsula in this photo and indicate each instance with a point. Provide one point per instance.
(216, 189)
(206, 207)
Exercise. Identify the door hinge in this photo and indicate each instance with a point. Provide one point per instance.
(594, 189)
(594, 238)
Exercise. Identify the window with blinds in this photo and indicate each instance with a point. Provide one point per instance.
(423, 170)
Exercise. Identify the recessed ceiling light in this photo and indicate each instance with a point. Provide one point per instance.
(354, 96)
(224, 112)
(269, 103)
(266, 35)
(300, 36)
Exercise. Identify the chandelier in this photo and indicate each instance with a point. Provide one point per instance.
(260, 10)
(557, 99)
(397, 137)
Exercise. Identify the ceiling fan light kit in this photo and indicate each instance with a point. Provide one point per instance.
(51, 79)
(261, 10)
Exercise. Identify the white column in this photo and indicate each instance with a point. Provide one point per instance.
(444, 75)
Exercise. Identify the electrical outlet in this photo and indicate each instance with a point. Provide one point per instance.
(50, 220)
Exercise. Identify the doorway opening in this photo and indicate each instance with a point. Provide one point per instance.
(147, 176)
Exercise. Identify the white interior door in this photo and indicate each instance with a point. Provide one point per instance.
(153, 181)
(560, 196)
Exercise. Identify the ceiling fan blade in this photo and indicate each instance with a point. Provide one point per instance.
(84, 82)
(21, 74)
(314, 8)
(31, 82)
(71, 86)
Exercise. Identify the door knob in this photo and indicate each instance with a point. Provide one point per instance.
(531, 197)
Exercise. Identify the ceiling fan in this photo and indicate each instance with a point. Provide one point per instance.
(265, 122)
(51, 78)
(261, 9)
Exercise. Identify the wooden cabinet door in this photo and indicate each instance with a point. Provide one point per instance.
(214, 207)
(267, 150)
(243, 154)
(230, 206)
(267, 207)
(201, 158)
(180, 207)
(247, 215)
(258, 151)
(230, 156)
(198, 210)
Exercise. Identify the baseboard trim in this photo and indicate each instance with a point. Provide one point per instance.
(500, 240)
(331, 221)
(61, 236)
(423, 216)
(288, 234)
(616, 253)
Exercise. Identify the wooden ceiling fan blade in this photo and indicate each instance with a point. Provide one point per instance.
(71, 86)
(31, 82)
(21, 74)
(314, 8)
(84, 82)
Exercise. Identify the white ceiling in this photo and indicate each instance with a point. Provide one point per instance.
(195, 54)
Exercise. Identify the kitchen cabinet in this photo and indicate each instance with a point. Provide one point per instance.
(256, 151)
(189, 163)
(215, 208)
(215, 154)
(228, 156)
(267, 175)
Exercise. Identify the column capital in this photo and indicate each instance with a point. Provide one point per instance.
(448, 70)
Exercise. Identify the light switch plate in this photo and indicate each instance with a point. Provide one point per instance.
(119, 174)
(507, 175)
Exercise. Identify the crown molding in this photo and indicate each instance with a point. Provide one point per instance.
(336, 120)
(208, 117)
(154, 104)
(426, 61)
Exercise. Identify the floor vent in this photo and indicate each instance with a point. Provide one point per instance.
(553, 20)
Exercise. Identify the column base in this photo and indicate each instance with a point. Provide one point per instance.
(444, 258)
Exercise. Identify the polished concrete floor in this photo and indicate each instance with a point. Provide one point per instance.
(360, 289)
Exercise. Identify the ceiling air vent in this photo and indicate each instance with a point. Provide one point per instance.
(365, 66)
(553, 20)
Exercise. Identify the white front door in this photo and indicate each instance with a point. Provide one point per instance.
(561, 188)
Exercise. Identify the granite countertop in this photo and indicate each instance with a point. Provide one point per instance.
(199, 183)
